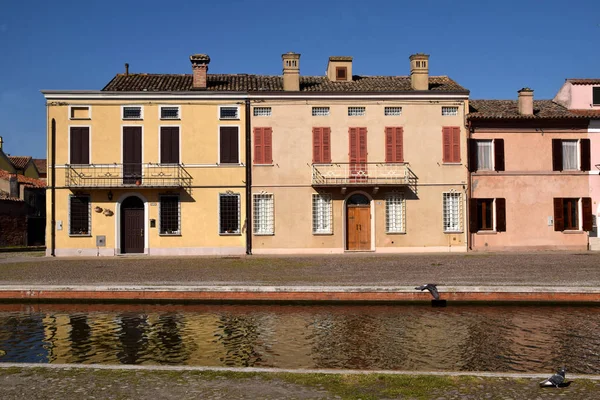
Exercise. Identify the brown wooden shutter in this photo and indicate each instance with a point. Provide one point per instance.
(268, 145)
(258, 146)
(559, 221)
(389, 144)
(229, 145)
(501, 215)
(169, 145)
(399, 145)
(446, 144)
(80, 145)
(557, 161)
(317, 146)
(586, 159)
(586, 209)
(472, 153)
(75, 145)
(456, 144)
(473, 217)
(499, 154)
(326, 145)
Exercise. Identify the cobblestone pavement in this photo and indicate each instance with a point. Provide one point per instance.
(67, 384)
(467, 269)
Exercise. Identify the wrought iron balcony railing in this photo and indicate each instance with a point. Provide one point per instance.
(127, 175)
(363, 174)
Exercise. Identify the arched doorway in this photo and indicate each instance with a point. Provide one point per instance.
(132, 225)
(358, 222)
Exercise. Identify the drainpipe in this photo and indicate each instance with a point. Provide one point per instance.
(248, 181)
(468, 208)
(53, 192)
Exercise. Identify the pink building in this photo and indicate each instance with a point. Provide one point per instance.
(529, 183)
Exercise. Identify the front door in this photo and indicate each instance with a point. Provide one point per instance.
(132, 225)
(358, 223)
(132, 155)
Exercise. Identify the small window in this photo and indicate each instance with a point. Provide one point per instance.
(392, 111)
(80, 112)
(356, 111)
(132, 112)
(262, 111)
(80, 216)
(229, 213)
(169, 112)
(322, 214)
(596, 96)
(484, 155)
(170, 215)
(571, 214)
(571, 155)
(570, 159)
(320, 111)
(340, 73)
(449, 111)
(229, 112)
(394, 213)
(574, 214)
(485, 214)
(263, 214)
(452, 212)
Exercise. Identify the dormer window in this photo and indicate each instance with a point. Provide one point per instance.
(596, 96)
(341, 73)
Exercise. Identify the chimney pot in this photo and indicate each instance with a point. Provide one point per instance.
(525, 101)
(199, 70)
(291, 71)
(419, 71)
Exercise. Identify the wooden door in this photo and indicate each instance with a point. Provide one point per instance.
(132, 231)
(358, 153)
(358, 228)
(132, 155)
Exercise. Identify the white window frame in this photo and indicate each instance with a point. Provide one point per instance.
(89, 234)
(492, 155)
(322, 212)
(237, 113)
(239, 213)
(357, 111)
(160, 107)
(577, 153)
(141, 118)
(393, 202)
(263, 214)
(449, 111)
(450, 227)
(80, 106)
(321, 111)
(389, 111)
(266, 111)
(178, 232)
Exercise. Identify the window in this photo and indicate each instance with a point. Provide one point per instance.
(487, 215)
(451, 144)
(452, 212)
(596, 96)
(321, 145)
(449, 111)
(392, 111)
(169, 112)
(263, 146)
(394, 145)
(573, 213)
(356, 111)
(340, 73)
(394, 213)
(229, 112)
(80, 112)
(262, 111)
(169, 215)
(229, 145)
(132, 112)
(79, 146)
(486, 155)
(263, 214)
(320, 111)
(229, 213)
(571, 155)
(79, 216)
(321, 214)
(169, 145)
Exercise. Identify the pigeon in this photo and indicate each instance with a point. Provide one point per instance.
(432, 289)
(555, 380)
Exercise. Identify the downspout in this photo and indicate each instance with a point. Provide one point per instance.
(248, 181)
(469, 194)
(53, 192)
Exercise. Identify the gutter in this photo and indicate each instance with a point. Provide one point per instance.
(248, 180)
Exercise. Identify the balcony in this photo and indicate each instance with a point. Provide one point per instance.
(127, 175)
(363, 174)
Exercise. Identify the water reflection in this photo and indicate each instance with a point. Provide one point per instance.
(459, 338)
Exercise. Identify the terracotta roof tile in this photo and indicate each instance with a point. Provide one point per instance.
(25, 180)
(19, 161)
(509, 109)
(40, 164)
(274, 83)
(584, 81)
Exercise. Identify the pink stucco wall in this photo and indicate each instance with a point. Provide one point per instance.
(576, 97)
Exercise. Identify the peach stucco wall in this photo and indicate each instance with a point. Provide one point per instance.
(594, 134)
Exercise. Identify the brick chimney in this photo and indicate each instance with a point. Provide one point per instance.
(525, 101)
(199, 69)
(291, 71)
(419, 71)
(339, 68)
(13, 185)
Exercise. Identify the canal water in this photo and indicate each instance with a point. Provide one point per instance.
(391, 337)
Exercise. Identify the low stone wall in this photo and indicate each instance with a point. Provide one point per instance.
(13, 223)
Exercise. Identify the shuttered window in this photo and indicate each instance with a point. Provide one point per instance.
(487, 215)
(451, 144)
(486, 155)
(358, 145)
(229, 145)
(80, 145)
(571, 155)
(263, 146)
(321, 145)
(169, 145)
(79, 216)
(567, 211)
(394, 148)
(596, 96)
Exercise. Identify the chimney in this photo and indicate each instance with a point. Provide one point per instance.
(126, 69)
(13, 183)
(419, 71)
(339, 69)
(199, 69)
(291, 71)
(525, 101)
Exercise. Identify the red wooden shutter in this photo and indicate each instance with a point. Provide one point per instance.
(586, 209)
(559, 221)
(362, 145)
(446, 144)
(472, 154)
(326, 145)
(258, 146)
(268, 143)
(456, 144)
(557, 161)
(499, 154)
(501, 215)
(399, 150)
(353, 152)
(389, 145)
(473, 217)
(586, 161)
(317, 146)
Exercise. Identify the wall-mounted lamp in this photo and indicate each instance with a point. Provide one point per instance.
(110, 195)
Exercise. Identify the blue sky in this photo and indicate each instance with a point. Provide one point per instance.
(492, 48)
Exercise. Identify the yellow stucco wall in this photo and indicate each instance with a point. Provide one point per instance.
(5, 164)
(31, 171)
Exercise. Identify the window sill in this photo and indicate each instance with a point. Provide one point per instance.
(264, 234)
(80, 119)
(264, 165)
(486, 232)
(75, 235)
(229, 119)
(395, 233)
(169, 234)
(453, 232)
(452, 163)
(573, 232)
(133, 119)
(230, 234)
(323, 233)
(236, 164)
